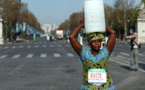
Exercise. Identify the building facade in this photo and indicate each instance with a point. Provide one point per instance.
(141, 23)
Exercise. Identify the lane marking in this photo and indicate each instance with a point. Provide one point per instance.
(21, 46)
(51, 45)
(44, 46)
(59, 45)
(29, 56)
(36, 46)
(70, 55)
(6, 47)
(67, 45)
(14, 47)
(118, 56)
(16, 56)
(56, 55)
(127, 81)
(141, 54)
(126, 54)
(28, 46)
(125, 64)
(43, 56)
(3, 56)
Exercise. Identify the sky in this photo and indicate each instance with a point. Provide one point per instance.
(56, 11)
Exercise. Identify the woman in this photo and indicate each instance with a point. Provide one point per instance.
(94, 60)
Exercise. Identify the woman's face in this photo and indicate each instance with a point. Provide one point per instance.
(96, 44)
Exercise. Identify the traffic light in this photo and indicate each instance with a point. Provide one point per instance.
(81, 20)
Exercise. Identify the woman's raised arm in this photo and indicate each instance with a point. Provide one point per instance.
(111, 40)
(73, 39)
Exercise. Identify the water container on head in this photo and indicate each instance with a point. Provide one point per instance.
(94, 16)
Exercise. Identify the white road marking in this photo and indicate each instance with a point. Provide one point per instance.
(6, 47)
(127, 81)
(14, 47)
(67, 45)
(21, 46)
(59, 45)
(16, 56)
(3, 56)
(29, 56)
(43, 55)
(36, 46)
(125, 64)
(118, 56)
(126, 54)
(141, 54)
(70, 55)
(28, 46)
(51, 45)
(44, 46)
(57, 55)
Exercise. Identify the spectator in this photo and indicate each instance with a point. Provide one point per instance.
(134, 44)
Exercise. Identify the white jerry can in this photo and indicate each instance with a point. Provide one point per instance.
(94, 16)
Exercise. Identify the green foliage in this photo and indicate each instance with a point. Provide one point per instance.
(143, 1)
(12, 12)
(72, 22)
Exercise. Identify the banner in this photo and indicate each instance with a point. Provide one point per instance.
(24, 26)
(17, 28)
(20, 25)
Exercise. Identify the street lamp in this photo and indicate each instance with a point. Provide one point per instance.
(129, 28)
(1, 26)
(125, 26)
(125, 22)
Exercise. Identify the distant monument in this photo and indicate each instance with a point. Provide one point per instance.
(142, 11)
(1, 27)
(141, 23)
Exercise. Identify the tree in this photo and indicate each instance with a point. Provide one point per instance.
(143, 1)
(75, 19)
(72, 22)
(12, 14)
(124, 16)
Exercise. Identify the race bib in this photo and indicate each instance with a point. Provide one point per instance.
(97, 76)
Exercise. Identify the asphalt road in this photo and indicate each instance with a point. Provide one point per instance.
(42, 65)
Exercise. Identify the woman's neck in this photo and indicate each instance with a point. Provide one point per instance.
(94, 52)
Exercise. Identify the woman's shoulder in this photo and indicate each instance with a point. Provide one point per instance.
(104, 48)
(85, 47)
(85, 51)
(104, 51)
